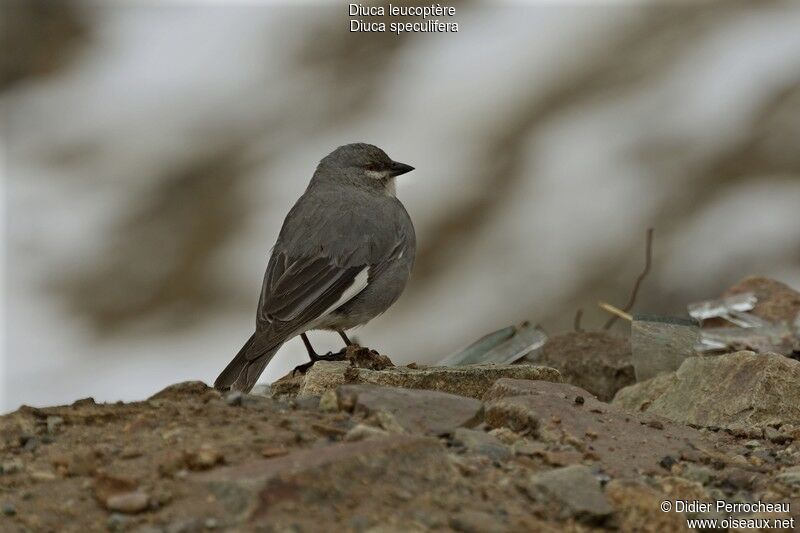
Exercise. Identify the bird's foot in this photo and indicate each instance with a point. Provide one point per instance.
(330, 356)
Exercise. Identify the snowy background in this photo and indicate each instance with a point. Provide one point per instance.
(151, 152)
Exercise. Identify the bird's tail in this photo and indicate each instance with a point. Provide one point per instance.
(243, 371)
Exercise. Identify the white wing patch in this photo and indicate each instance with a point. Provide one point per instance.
(358, 285)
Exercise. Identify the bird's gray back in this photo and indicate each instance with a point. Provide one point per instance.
(351, 226)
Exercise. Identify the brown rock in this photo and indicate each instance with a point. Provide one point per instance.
(622, 442)
(275, 487)
(596, 361)
(731, 390)
(416, 411)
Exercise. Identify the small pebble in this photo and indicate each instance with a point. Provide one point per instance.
(30, 443)
(234, 398)
(211, 523)
(130, 502)
(11, 466)
(9, 509)
(42, 476)
(54, 424)
(329, 403)
(204, 458)
(274, 452)
(666, 462)
(116, 521)
(362, 431)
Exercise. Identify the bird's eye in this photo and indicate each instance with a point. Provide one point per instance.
(372, 167)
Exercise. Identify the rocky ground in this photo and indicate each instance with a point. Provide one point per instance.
(362, 445)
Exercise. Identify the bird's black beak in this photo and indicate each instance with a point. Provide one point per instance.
(399, 168)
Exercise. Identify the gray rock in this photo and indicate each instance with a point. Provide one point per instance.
(575, 491)
(506, 388)
(480, 442)
(476, 522)
(731, 390)
(790, 477)
(416, 411)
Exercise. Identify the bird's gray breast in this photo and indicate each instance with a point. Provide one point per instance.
(388, 276)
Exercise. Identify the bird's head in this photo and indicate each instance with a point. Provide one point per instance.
(363, 165)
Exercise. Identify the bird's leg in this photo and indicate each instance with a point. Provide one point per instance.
(314, 356)
(310, 349)
(343, 335)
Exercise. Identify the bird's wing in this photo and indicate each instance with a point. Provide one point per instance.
(298, 291)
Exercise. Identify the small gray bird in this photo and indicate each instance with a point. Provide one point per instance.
(343, 257)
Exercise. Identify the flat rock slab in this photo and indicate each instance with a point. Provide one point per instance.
(417, 411)
(507, 387)
(469, 380)
(724, 391)
(624, 443)
(575, 491)
(276, 490)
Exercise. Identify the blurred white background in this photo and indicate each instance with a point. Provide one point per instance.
(152, 152)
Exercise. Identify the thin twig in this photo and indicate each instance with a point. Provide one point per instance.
(648, 261)
(615, 311)
(577, 322)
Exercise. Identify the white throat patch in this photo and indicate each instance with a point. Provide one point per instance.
(391, 187)
(391, 190)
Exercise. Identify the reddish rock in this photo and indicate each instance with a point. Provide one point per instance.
(624, 443)
(272, 489)
(777, 302)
